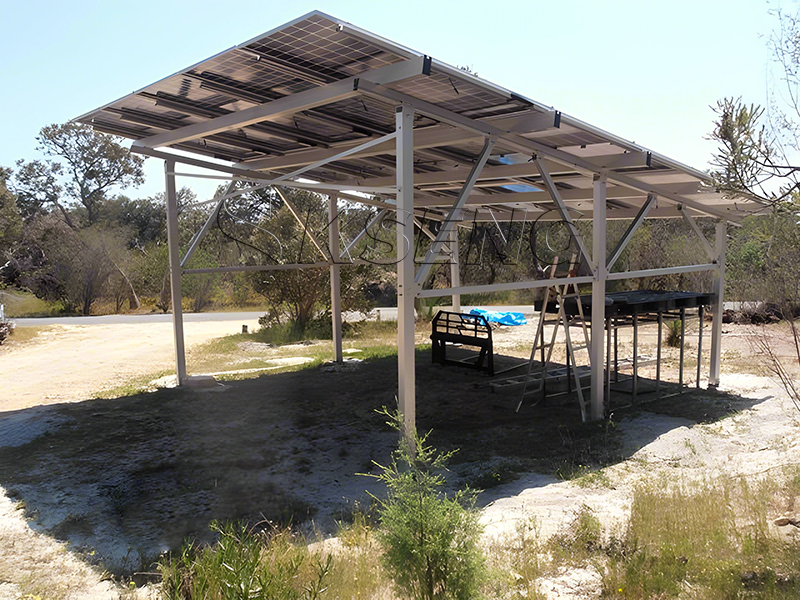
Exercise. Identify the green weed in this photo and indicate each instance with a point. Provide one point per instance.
(246, 563)
(429, 539)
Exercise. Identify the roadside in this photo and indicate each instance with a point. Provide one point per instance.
(70, 363)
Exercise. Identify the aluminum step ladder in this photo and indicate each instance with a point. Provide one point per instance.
(535, 381)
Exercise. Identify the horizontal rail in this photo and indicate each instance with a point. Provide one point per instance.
(659, 272)
(502, 287)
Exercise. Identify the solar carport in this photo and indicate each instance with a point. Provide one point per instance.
(320, 104)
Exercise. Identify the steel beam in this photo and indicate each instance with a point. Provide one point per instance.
(173, 241)
(193, 245)
(502, 287)
(374, 221)
(455, 273)
(319, 96)
(700, 236)
(632, 228)
(304, 225)
(661, 271)
(429, 137)
(715, 353)
(406, 288)
(562, 208)
(598, 298)
(336, 295)
(523, 144)
(248, 268)
(453, 216)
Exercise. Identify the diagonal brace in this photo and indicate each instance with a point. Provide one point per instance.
(306, 228)
(562, 208)
(210, 221)
(632, 228)
(375, 220)
(693, 224)
(454, 214)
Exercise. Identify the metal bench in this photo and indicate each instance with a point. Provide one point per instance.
(467, 330)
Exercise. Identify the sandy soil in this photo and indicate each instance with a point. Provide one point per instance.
(122, 480)
(69, 363)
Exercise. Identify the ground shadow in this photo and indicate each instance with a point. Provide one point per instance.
(131, 477)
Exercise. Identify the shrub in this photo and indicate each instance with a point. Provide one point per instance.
(673, 339)
(430, 540)
(245, 563)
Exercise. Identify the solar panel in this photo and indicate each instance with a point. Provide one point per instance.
(317, 50)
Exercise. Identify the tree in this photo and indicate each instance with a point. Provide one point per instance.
(278, 238)
(757, 146)
(89, 164)
(37, 189)
(757, 157)
(146, 217)
(10, 219)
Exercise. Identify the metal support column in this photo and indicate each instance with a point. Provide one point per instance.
(635, 383)
(699, 345)
(455, 268)
(173, 242)
(718, 289)
(598, 296)
(658, 354)
(406, 288)
(336, 296)
(683, 349)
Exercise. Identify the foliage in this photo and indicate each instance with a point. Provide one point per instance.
(91, 162)
(273, 332)
(712, 539)
(300, 295)
(146, 218)
(245, 564)
(10, 219)
(673, 339)
(430, 540)
(36, 186)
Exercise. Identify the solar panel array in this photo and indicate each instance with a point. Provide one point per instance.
(318, 50)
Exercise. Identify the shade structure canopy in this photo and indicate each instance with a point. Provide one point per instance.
(317, 88)
(321, 104)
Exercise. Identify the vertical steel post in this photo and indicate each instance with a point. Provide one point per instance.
(336, 296)
(173, 242)
(658, 354)
(455, 268)
(635, 385)
(608, 363)
(406, 288)
(718, 291)
(615, 322)
(683, 348)
(699, 345)
(598, 295)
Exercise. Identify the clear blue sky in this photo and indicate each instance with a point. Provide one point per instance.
(647, 71)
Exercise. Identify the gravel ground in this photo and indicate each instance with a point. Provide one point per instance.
(71, 363)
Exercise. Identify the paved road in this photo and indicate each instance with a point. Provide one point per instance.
(386, 313)
(134, 319)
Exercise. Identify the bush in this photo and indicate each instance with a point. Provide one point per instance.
(276, 332)
(245, 563)
(673, 339)
(430, 540)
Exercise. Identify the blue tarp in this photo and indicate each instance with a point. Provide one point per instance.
(504, 318)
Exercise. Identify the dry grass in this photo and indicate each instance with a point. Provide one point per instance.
(21, 335)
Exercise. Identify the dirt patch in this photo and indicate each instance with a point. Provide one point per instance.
(70, 363)
(129, 478)
(125, 479)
